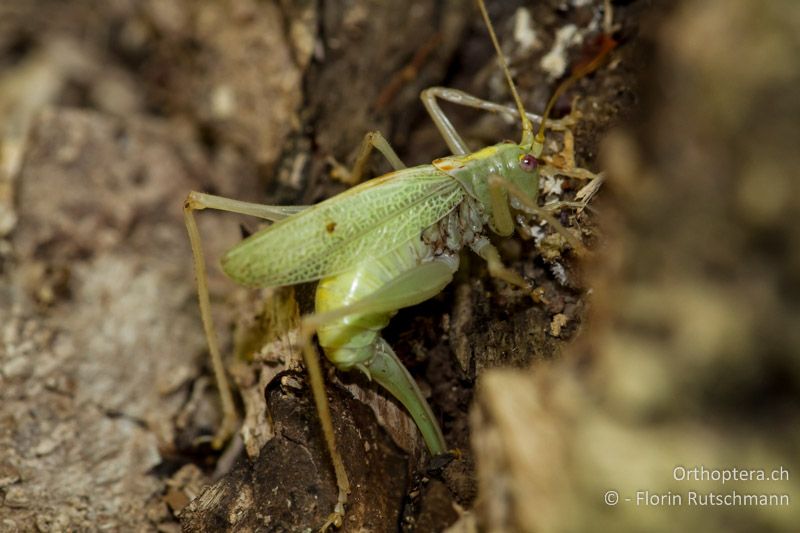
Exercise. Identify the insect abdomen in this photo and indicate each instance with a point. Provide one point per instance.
(351, 340)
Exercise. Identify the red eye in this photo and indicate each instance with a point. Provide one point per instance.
(528, 163)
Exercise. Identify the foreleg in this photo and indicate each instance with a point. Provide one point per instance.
(452, 138)
(499, 183)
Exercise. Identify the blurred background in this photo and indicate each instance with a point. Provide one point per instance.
(673, 348)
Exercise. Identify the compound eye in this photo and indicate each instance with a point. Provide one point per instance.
(528, 163)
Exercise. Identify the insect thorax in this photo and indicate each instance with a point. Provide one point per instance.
(461, 227)
(472, 171)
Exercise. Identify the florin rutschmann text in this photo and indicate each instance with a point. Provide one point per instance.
(694, 496)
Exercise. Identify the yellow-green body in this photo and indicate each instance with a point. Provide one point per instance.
(350, 341)
(388, 243)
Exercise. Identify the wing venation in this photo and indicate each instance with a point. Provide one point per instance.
(334, 235)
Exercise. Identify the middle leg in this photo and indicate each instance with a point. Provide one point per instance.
(373, 139)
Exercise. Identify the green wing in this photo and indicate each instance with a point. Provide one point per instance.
(330, 237)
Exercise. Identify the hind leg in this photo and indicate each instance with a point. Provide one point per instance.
(407, 289)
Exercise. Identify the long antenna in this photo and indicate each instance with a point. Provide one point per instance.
(527, 127)
(607, 43)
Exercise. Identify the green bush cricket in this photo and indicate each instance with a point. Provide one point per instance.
(388, 243)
